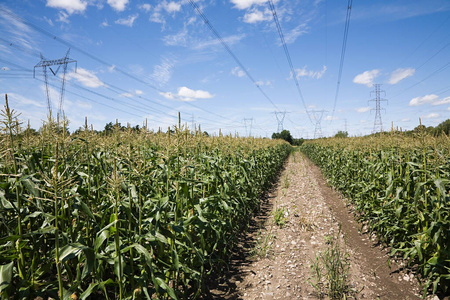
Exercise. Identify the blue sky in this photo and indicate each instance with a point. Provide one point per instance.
(142, 59)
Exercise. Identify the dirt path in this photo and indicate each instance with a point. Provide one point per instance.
(274, 262)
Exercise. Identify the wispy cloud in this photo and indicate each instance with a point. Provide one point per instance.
(238, 72)
(145, 7)
(85, 77)
(163, 72)
(230, 40)
(255, 16)
(367, 78)
(362, 109)
(293, 34)
(304, 72)
(431, 116)
(11, 23)
(118, 5)
(244, 4)
(400, 74)
(21, 100)
(70, 6)
(187, 94)
(168, 7)
(429, 99)
(127, 21)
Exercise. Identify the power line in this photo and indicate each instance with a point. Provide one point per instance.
(93, 57)
(228, 49)
(344, 47)
(288, 56)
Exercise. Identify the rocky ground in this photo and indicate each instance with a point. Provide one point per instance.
(301, 221)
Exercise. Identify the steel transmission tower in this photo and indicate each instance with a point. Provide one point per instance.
(44, 63)
(245, 124)
(280, 119)
(317, 116)
(377, 124)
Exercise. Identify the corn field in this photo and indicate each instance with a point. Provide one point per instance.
(400, 188)
(130, 215)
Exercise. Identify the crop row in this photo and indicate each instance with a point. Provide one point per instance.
(130, 215)
(400, 188)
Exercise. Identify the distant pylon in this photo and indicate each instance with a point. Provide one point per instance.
(317, 116)
(377, 124)
(280, 119)
(44, 63)
(245, 124)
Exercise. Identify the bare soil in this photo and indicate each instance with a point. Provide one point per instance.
(274, 262)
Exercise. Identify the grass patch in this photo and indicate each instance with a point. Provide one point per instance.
(330, 271)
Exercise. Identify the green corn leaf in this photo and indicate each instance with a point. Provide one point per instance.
(6, 274)
(162, 284)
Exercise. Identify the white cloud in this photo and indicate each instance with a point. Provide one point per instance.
(171, 6)
(85, 77)
(230, 40)
(71, 6)
(292, 35)
(164, 6)
(63, 17)
(429, 99)
(244, 4)
(138, 92)
(49, 21)
(145, 7)
(263, 83)
(405, 119)
(163, 72)
(167, 95)
(330, 118)
(19, 31)
(255, 16)
(362, 109)
(128, 21)
(367, 77)
(303, 72)
(83, 105)
(238, 72)
(400, 74)
(118, 5)
(104, 24)
(431, 116)
(21, 100)
(179, 39)
(187, 94)
(5, 69)
(195, 94)
(446, 100)
(126, 95)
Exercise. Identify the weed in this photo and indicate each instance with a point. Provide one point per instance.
(263, 243)
(279, 217)
(330, 270)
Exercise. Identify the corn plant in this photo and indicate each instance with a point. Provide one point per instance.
(125, 215)
(400, 187)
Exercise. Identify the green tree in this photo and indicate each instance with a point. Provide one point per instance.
(284, 135)
(442, 127)
(341, 134)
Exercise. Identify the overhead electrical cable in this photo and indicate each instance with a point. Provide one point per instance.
(110, 86)
(228, 49)
(344, 47)
(288, 56)
(95, 58)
